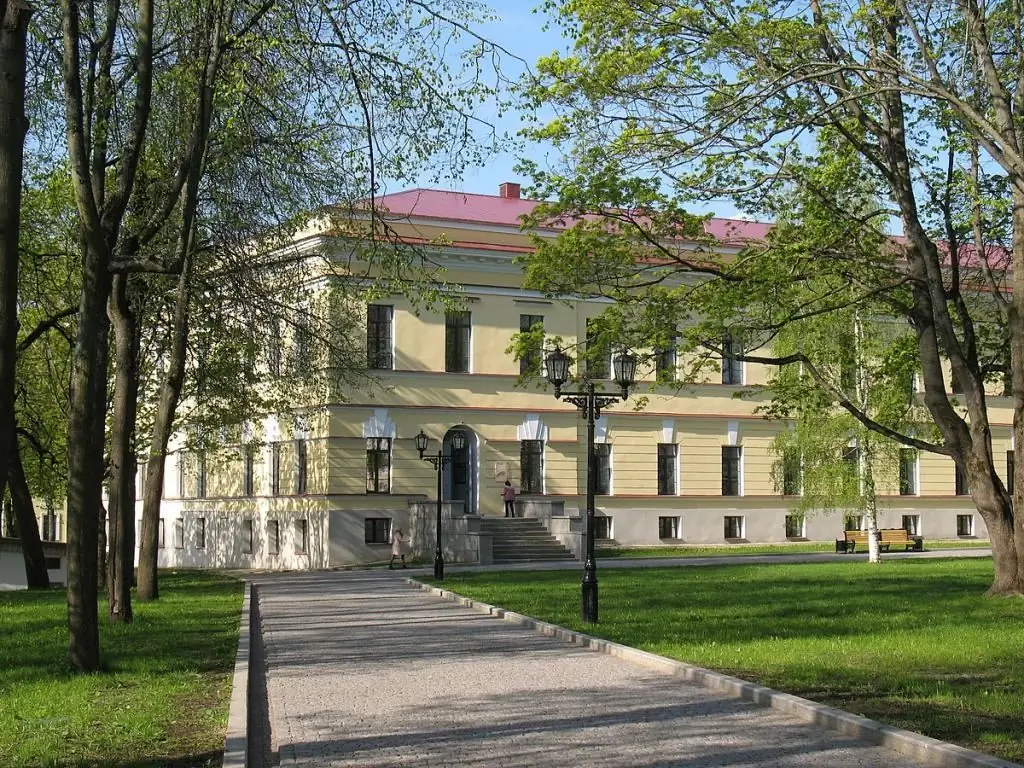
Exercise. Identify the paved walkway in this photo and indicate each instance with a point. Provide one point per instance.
(363, 669)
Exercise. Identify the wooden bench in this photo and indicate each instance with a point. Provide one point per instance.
(850, 541)
(887, 537)
(899, 537)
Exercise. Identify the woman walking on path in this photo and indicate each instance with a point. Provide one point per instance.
(397, 548)
(508, 495)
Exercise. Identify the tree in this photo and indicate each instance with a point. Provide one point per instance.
(312, 129)
(665, 107)
(14, 20)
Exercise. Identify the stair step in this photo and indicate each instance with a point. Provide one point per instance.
(522, 540)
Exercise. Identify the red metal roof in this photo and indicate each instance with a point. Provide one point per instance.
(475, 208)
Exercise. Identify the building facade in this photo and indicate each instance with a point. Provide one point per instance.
(693, 465)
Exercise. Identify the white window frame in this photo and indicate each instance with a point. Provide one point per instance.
(677, 525)
(743, 527)
(917, 524)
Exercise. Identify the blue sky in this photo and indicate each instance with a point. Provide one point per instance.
(519, 30)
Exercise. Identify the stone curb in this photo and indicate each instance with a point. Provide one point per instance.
(236, 740)
(923, 748)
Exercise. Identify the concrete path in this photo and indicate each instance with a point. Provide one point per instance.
(363, 669)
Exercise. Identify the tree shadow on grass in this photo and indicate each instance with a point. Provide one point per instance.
(211, 759)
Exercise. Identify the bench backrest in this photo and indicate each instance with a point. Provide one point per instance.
(857, 536)
(895, 534)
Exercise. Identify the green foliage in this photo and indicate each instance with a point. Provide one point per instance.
(163, 696)
(48, 289)
(909, 644)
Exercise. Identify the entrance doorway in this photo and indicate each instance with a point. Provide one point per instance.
(460, 479)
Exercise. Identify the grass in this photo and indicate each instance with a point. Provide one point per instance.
(910, 642)
(161, 700)
(753, 549)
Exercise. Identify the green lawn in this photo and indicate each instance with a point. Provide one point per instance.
(161, 701)
(754, 549)
(910, 642)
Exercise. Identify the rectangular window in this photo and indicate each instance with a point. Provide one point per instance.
(731, 455)
(598, 352)
(965, 525)
(912, 524)
(247, 536)
(160, 541)
(302, 344)
(179, 533)
(962, 487)
(275, 350)
(602, 527)
(275, 469)
(667, 455)
(378, 465)
(533, 359)
(273, 537)
(668, 527)
(791, 474)
(377, 530)
(531, 466)
(181, 475)
(908, 472)
(247, 471)
(200, 533)
(854, 523)
(851, 460)
(734, 527)
(201, 477)
(732, 368)
(301, 463)
(603, 469)
(955, 385)
(795, 528)
(1009, 471)
(665, 362)
(456, 342)
(379, 320)
(301, 536)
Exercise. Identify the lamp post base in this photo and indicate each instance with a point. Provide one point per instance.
(438, 566)
(588, 593)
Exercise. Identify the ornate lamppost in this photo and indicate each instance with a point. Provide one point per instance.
(439, 461)
(590, 404)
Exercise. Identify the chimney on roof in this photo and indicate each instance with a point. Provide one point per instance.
(509, 190)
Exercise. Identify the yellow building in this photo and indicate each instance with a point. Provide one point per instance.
(692, 466)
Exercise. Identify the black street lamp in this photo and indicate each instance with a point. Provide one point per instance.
(590, 404)
(439, 462)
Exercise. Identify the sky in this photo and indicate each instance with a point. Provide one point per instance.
(519, 30)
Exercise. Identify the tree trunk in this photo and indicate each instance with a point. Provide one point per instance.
(85, 460)
(36, 574)
(163, 423)
(14, 16)
(121, 563)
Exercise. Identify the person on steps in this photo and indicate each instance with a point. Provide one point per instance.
(508, 495)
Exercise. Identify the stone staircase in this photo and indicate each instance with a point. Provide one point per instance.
(522, 540)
